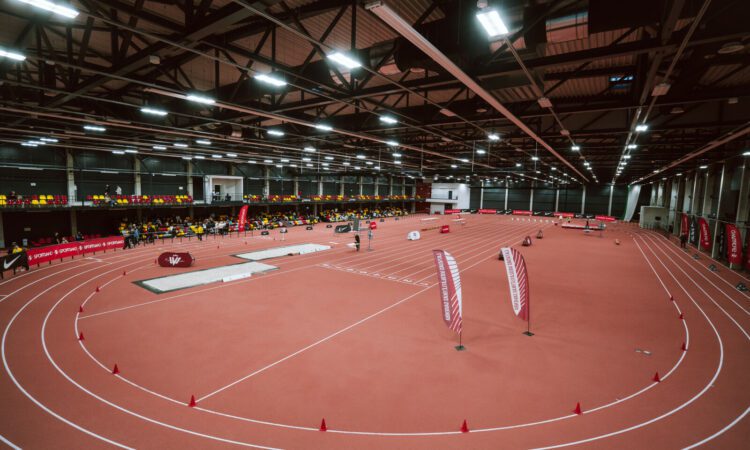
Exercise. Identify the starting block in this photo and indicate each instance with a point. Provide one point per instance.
(526, 241)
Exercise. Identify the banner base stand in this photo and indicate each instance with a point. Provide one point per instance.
(460, 348)
(528, 333)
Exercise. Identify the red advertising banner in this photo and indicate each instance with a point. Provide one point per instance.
(487, 211)
(450, 290)
(685, 227)
(452, 211)
(564, 214)
(705, 234)
(59, 251)
(605, 218)
(242, 219)
(734, 244)
(518, 212)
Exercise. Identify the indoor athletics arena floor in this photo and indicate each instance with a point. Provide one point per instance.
(358, 339)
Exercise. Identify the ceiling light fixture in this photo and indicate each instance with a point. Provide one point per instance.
(275, 132)
(388, 119)
(61, 10)
(323, 127)
(12, 55)
(492, 23)
(153, 111)
(342, 59)
(270, 80)
(200, 99)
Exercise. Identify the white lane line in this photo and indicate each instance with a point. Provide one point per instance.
(24, 391)
(114, 405)
(720, 432)
(682, 406)
(742, 330)
(694, 269)
(9, 443)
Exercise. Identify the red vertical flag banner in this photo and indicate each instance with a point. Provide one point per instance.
(734, 244)
(518, 283)
(685, 226)
(242, 220)
(705, 234)
(450, 290)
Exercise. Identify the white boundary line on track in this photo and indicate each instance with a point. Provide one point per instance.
(720, 432)
(694, 269)
(128, 257)
(742, 330)
(680, 407)
(335, 430)
(118, 407)
(426, 433)
(220, 286)
(5, 441)
(26, 393)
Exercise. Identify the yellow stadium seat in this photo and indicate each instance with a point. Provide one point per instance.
(35, 202)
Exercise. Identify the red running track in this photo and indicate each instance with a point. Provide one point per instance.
(357, 339)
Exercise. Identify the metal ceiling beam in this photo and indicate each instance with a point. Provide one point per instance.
(395, 21)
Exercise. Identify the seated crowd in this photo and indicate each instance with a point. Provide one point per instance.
(176, 226)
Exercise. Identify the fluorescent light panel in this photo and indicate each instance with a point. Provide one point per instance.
(273, 81)
(200, 99)
(61, 10)
(388, 120)
(94, 128)
(344, 60)
(153, 111)
(492, 23)
(12, 55)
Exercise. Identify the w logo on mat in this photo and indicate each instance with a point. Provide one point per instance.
(171, 259)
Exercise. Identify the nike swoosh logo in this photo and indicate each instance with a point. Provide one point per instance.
(6, 265)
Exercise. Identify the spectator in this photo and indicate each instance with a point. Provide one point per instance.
(106, 190)
(56, 238)
(79, 236)
(118, 190)
(64, 240)
(15, 249)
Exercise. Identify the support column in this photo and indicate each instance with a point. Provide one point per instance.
(557, 199)
(341, 185)
(266, 182)
(506, 195)
(359, 180)
(137, 179)
(677, 187)
(377, 186)
(531, 199)
(611, 193)
(708, 180)
(481, 195)
(73, 224)
(390, 185)
(320, 185)
(70, 175)
(583, 200)
(296, 185)
(694, 197)
(189, 187)
(724, 182)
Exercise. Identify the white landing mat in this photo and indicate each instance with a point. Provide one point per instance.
(275, 252)
(199, 277)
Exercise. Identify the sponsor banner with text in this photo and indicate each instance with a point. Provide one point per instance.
(519, 212)
(734, 244)
(60, 251)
